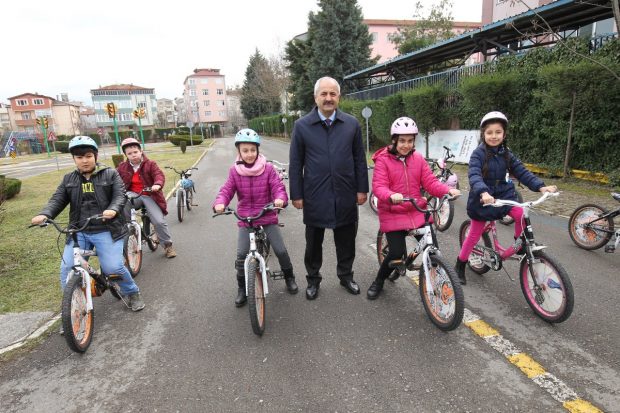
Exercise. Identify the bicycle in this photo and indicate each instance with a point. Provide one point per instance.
(83, 283)
(444, 215)
(440, 290)
(280, 168)
(256, 267)
(508, 220)
(185, 191)
(137, 234)
(591, 226)
(544, 282)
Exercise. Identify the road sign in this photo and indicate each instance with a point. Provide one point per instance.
(100, 131)
(51, 137)
(283, 120)
(190, 124)
(366, 112)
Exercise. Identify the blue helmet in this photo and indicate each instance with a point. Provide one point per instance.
(82, 141)
(247, 136)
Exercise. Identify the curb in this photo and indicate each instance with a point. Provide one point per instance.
(35, 334)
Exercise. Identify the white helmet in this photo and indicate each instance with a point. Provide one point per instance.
(494, 116)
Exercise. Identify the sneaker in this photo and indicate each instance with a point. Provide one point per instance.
(170, 252)
(135, 302)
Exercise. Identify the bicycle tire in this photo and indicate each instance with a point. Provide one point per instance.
(373, 201)
(256, 297)
(444, 217)
(445, 306)
(508, 220)
(150, 235)
(132, 252)
(189, 199)
(77, 323)
(463, 231)
(556, 293)
(180, 204)
(590, 238)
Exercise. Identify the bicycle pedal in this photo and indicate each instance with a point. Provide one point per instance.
(115, 277)
(277, 275)
(610, 248)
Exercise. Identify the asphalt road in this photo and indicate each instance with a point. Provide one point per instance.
(190, 349)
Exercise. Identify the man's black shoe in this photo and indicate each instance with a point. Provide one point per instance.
(291, 285)
(351, 286)
(374, 290)
(312, 291)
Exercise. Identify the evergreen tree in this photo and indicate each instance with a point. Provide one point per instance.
(426, 31)
(338, 44)
(258, 95)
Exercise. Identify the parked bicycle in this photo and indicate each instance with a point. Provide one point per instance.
(544, 282)
(185, 192)
(83, 283)
(256, 267)
(138, 233)
(443, 171)
(591, 226)
(440, 290)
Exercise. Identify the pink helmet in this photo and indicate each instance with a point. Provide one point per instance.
(129, 141)
(404, 126)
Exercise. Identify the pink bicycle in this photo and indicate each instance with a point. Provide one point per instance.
(544, 282)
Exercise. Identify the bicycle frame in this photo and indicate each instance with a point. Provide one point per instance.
(80, 265)
(253, 253)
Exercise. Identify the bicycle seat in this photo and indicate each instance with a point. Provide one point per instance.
(132, 195)
(616, 196)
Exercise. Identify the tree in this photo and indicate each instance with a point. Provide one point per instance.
(426, 31)
(258, 95)
(338, 43)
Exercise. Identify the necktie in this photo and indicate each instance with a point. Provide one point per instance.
(328, 122)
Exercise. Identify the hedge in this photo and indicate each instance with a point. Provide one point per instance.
(176, 139)
(9, 187)
(272, 125)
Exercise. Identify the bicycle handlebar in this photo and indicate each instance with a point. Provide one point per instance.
(67, 230)
(266, 208)
(443, 198)
(278, 163)
(182, 171)
(504, 202)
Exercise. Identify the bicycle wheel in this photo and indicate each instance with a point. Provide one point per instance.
(150, 235)
(507, 220)
(180, 204)
(553, 298)
(586, 229)
(444, 304)
(132, 252)
(444, 216)
(189, 199)
(373, 202)
(256, 297)
(77, 322)
(474, 262)
(264, 249)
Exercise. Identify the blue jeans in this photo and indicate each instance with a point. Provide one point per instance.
(109, 253)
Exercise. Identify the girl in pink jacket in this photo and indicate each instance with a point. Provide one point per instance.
(256, 184)
(400, 172)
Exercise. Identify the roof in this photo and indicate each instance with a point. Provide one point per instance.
(31, 94)
(122, 86)
(490, 39)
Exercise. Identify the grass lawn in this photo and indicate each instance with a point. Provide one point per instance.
(30, 258)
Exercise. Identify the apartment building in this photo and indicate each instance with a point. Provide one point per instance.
(204, 96)
(63, 118)
(126, 98)
(5, 118)
(166, 114)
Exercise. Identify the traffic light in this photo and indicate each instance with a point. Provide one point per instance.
(45, 123)
(111, 109)
(142, 113)
(136, 114)
(38, 121)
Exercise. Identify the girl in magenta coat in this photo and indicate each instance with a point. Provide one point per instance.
(256, 184)
(400, 172)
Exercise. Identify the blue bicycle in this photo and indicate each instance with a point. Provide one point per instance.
(185, 191)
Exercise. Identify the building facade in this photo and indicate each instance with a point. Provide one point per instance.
(235, 115)
(166, 113)
(5, 118)
(204, 97)
(126, 98)
(26, 108)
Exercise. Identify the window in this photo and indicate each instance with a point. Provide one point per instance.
(206, 102)
(375, 36)
(221, 102)
(22, 102)
(192, 81)
(192, 92)
(37, 101)
(142, 105)
(208, 113)
(204, 80)
(218, 80)
(222, 113)
(124, 116)
(220, 91)
(26, 115)
(205, 92)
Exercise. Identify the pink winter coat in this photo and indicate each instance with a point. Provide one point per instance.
(393, 175)
(253, 191)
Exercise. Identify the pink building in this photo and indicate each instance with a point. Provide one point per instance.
(204, 94)
(382, 30)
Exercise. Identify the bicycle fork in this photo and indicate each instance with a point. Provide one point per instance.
(253, 254)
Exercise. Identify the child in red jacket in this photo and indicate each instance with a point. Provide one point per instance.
(401, 172)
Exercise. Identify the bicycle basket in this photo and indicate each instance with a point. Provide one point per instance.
(187, 183)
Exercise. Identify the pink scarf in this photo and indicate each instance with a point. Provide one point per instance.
(256, 169)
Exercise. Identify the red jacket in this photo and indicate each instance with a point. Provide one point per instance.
(393, 175)
(150, 174)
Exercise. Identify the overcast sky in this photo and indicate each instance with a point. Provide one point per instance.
(51, 47)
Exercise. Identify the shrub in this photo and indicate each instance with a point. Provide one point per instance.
(9, 187)
(183, 145)
(176, 139)
(117, 158)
